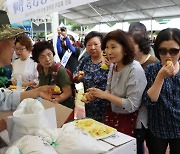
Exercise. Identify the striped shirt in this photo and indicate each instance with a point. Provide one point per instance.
(164, 115)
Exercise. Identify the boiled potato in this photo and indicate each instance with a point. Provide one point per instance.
(168, 62)
(57, 89)
(81, 72)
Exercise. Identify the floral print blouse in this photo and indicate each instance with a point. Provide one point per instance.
(94, 77)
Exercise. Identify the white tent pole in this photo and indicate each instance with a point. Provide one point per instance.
(151, 30)
(45, 29)
(81, 33)
(55, 24)
(32, 34)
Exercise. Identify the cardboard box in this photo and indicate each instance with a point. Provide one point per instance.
(62, 112)
(119, 143)
(4, 115)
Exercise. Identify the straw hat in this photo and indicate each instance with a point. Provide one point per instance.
(6, 31)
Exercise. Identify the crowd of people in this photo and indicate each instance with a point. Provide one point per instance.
(138, 93)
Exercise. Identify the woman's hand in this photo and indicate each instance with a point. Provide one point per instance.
(107, 62)
(167, 70)
(46, 92)
(78, 77)
(64, 34)
(63, 96)
(87, 97)
(98, 93)
(14, 81)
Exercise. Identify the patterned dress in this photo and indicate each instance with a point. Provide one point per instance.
(94, 77)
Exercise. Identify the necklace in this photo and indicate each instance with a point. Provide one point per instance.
(147, 57)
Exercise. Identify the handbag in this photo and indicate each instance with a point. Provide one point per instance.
(124, 123)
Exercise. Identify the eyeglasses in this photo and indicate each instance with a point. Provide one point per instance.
(19, 49)
(171, 51)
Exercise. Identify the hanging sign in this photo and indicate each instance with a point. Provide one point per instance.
(19, 10)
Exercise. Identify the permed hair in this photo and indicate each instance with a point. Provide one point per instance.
(142, 39)
(39, 47)
(24, 40)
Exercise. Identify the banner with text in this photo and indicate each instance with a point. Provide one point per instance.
(26, 9)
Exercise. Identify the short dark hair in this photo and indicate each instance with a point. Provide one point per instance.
(166, 35)
(142, 39)
(92, 34)
(71, 38)
(39, 47)
(25, 41)
(122, 38)
(137, 26)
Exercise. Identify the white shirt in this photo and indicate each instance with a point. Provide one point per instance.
(27, 69)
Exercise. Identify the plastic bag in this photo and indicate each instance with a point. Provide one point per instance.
(50, 135)
(31, 145)
(70, 140)
(28, 117)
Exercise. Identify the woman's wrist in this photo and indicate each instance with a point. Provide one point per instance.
(39, 92)
(3, 125)
(106, 95)
(160, 76)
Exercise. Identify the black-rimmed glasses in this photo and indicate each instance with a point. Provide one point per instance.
(19, 49)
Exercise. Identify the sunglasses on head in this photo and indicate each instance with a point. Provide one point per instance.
(171, 51)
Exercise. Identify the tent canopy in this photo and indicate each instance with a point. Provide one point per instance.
(174, 23)
(103, 28)
(124, 26)
(153, 25)
(103, 11)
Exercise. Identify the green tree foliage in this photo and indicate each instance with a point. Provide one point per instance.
(74, 25)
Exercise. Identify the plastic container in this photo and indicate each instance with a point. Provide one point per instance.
(19, 83)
